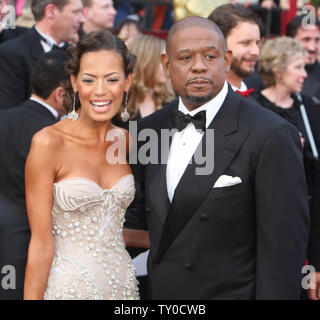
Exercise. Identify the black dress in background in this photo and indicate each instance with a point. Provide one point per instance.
(293, 115)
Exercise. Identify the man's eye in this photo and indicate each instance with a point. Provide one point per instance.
(185, 58)
(210, 56)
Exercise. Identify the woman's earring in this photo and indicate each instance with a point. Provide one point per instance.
(73, 115)
(125, 114)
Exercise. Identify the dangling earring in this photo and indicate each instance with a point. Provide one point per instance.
(73, 115)
(125, 114)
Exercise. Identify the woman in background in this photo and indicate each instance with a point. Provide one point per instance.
(150, 88)
(282, 69)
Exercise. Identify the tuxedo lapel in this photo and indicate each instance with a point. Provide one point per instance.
(36, 47)
(156, 174)
(192, 188)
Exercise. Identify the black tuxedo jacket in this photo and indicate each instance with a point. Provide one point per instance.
(246, 241)
(17, 126)
(9, 34)
(17, 59)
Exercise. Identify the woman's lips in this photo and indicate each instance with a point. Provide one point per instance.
(101, 106)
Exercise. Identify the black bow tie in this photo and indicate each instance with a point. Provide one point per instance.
(54, 46)
(181, 120)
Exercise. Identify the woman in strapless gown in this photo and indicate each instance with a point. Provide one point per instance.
(76, 193)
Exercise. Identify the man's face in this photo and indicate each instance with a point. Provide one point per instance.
(101, 14)
(243, 41)
(309, 37)
(68, 20)
(197, 65)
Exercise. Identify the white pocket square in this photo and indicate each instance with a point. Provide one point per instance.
(227, 181)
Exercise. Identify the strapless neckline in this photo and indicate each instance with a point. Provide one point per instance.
(93, 182)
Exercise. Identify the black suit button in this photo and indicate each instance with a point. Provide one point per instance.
(147, 210)
(204, 217)
(188, 266)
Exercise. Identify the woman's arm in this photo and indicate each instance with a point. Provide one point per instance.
(136, 238)
(39, 178)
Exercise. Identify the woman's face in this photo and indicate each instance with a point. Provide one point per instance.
(294, 75)
(101, 82)
(160, 75)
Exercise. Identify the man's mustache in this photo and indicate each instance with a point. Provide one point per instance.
(199, 78)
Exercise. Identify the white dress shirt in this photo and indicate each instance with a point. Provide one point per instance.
(185, 142)
(49, 43)
(51, 109)
(243, 87)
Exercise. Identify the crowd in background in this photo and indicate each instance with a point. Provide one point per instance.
(265, 65)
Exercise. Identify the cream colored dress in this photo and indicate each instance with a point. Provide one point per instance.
(91, 261)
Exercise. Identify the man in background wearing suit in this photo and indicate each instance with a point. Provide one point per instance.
(240, 230)
(241, 29)
(306, 29)
(57, 21)
(17, 126)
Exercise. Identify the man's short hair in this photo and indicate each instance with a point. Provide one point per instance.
(229, 15)
(298, 22)
(49, 73)
(87, 3)
(193, 21)
(38, 7)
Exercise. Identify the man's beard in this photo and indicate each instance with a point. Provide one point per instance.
(199, 100)
(240, 72)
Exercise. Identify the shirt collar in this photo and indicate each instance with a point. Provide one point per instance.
(47, 41)
(243, 87)
(212, 107)
(51, 109)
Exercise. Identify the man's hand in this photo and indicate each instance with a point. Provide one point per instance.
(314, 294)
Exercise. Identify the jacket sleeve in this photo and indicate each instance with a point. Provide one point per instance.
(282, 215)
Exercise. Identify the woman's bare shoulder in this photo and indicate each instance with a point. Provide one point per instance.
(50, 136)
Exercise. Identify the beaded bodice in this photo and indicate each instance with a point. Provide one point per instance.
(91, 261)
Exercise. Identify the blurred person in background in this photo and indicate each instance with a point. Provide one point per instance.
(17, 127)
(57, 22)
(99, 15)
(150, 88)
(128, 29)
(241, 29)
(282, 69)
(306, 29)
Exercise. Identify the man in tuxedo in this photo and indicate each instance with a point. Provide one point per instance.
(17, 126)
(240, 229)
(57, 22)
(241, 29)
(306, 29)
